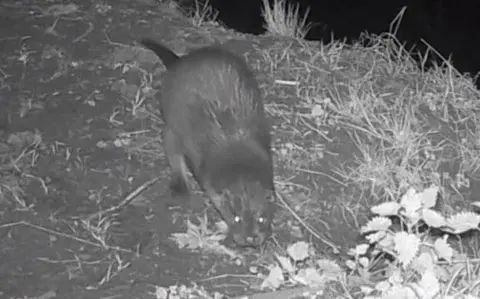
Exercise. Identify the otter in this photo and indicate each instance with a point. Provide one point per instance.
(216, 128)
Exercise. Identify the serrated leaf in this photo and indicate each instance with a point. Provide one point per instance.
(386, 242)
(193, 229)
(364, 261)
(350, 264)
(376, 224)
(443, 274)
(429, 197)
(360, 249)
(396, 276)
(400, 292)
(429, 285)
(215, 238)
(317, 110)
(330, 269)
(386, 209)
(161, 293)
(274, 279)
(199, 237)
(376, 237)
(366, 290)
(423, 262)
(192, 238)
(410, 193)
(310, 277)
(412, 218)
(463, 222)
(298, 251)
(383, 286)
(411, 201)
(285, 263)
(203, 226)
(406, 246)
(433, 218)
(182, 239)
(443, 249)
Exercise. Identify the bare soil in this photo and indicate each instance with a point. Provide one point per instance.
(65, 71)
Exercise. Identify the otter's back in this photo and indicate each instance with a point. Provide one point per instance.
(211, 95)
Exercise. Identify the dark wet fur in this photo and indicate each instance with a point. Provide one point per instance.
(239, 161)
(217, 129)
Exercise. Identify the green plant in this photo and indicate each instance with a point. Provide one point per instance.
(418, 264)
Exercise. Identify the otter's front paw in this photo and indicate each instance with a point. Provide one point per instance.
(178, 185)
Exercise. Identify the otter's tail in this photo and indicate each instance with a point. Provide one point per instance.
(167, 56)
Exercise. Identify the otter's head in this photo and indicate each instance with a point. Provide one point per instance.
(248, 208)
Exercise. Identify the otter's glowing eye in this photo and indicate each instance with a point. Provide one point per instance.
(261, 220)
(236, 219)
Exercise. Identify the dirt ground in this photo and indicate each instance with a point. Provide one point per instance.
(71, 76)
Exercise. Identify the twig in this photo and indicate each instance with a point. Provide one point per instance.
(336, 250)
(227, 275)
(131, 196)
(314, 129)
(321, 173)
(287, 293)
(115, 43)
(87, 32)
(53, 232)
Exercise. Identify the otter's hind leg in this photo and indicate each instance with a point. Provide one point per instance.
(176, 159)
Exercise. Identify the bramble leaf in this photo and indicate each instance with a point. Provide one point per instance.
(429, 197)
(298, 251)
(376, 237)
(433, 218)
(463, 222)
(411, 201)
(274, 279)
(429, 285)
(285, 263)
(376, 224)
(423, 262)
(406, 246)
(443, 249)
(330, 269)
(386, 209)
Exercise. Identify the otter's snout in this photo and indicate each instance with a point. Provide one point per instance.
(253, 240)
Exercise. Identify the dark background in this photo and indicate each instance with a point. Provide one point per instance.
(451, 27)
